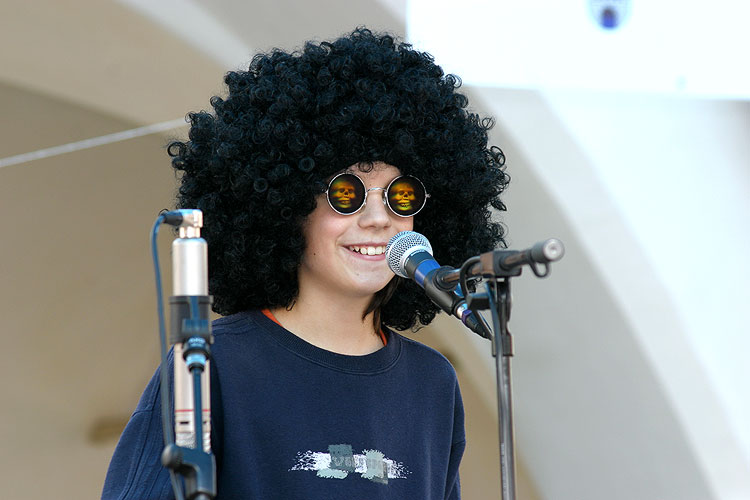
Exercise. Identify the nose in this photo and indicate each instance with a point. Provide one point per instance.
(374, 213)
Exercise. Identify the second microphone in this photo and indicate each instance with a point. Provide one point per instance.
(409, 255)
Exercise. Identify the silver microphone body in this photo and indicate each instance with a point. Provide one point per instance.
(190, 277)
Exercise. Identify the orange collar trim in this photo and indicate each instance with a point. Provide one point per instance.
(270, 316)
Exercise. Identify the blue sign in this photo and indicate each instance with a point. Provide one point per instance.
(609, 14)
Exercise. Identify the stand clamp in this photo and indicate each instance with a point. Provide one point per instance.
(191, 330)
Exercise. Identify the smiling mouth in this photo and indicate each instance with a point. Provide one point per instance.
(367, 250)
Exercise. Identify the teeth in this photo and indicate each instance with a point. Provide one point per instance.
(368, 250)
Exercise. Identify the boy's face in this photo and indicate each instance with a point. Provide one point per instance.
(345, 254)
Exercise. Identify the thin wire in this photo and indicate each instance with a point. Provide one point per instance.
(462, 274)
(166, 409)
(92, 142)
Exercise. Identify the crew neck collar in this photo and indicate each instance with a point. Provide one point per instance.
(376, 362)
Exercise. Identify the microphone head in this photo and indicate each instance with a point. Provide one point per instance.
(401, 247)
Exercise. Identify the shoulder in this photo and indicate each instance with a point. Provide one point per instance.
(423, 351)
(243, 334)
(245, 324)
(425, 360)
(234, 323)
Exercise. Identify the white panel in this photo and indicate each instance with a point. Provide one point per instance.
(694, 48)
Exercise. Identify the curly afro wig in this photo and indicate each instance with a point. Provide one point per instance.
(256, 164)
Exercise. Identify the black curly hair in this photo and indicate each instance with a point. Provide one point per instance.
(256, 165)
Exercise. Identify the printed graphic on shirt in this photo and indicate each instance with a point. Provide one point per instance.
(340, 461)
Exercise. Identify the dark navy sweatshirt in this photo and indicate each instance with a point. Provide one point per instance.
(293, 421)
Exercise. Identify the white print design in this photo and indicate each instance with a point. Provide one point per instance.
(372, 465)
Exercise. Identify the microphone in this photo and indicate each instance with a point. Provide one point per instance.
(189, 291)
(409, 255)
(544, 252)
(499, 263)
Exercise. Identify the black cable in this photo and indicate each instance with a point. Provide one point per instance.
(166, 406)
(462, 274)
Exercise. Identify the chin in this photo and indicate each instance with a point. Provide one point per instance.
(371, 288)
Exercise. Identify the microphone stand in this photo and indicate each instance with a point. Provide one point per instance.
(190, 455)
(500, 266)
(409, 255)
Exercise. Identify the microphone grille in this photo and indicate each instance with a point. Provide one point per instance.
(401, 246)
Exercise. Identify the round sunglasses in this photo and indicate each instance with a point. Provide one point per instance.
(405, 195)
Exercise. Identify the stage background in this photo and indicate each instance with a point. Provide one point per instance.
(630, 371)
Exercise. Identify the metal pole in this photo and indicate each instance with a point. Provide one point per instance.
(502, 350)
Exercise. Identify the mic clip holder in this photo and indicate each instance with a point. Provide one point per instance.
(191, 327)
(189, 318)
(496, 298)
(500, 264)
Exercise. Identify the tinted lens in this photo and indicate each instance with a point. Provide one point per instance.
(406, 195)
(346, 193)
